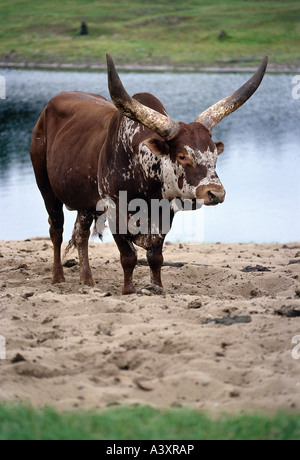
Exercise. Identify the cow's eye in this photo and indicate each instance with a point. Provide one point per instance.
(181, 157)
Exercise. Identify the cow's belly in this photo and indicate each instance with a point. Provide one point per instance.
(77, 191)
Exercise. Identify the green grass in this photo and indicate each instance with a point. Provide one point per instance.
(158, 32)
(19, 422)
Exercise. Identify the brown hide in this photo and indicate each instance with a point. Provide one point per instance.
(67, 144)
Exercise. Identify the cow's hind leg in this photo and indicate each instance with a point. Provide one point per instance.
(56, 221)
(81, 240)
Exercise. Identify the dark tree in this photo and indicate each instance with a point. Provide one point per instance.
(84, 29)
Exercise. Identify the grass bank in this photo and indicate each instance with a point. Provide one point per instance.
(168, 32)
(19, 422)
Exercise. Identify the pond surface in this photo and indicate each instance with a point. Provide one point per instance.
(260, 167)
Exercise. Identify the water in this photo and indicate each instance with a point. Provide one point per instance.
(259, 167)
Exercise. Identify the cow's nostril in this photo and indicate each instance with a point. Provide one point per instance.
(216, 196)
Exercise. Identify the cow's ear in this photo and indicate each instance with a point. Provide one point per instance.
(220, 147)
(157, 146)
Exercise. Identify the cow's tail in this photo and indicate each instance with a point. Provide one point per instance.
(96, 232)
(71, 245)
(98, 229)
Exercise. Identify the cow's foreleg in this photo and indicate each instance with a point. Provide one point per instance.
(155, 260)
(128, 262)
(81, 238)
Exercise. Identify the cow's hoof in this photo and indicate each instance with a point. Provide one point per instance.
(88, 281)
(152, 289)
(58, 278)
(129, 289)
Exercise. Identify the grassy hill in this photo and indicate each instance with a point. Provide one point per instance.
(172, 32)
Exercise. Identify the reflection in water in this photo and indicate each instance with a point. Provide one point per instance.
(259, 167)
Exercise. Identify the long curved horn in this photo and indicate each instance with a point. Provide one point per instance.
(214, 114)
(133, 109)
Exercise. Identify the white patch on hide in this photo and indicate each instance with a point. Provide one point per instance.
(150, 162)
(173, 171)
(209, 160)
(128, 129)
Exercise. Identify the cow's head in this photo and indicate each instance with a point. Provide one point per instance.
(187, 153)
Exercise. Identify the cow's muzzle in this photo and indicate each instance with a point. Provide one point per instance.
(211, 194)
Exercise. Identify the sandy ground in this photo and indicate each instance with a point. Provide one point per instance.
(72, 346)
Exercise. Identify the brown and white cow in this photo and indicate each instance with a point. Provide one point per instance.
(85, 150)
